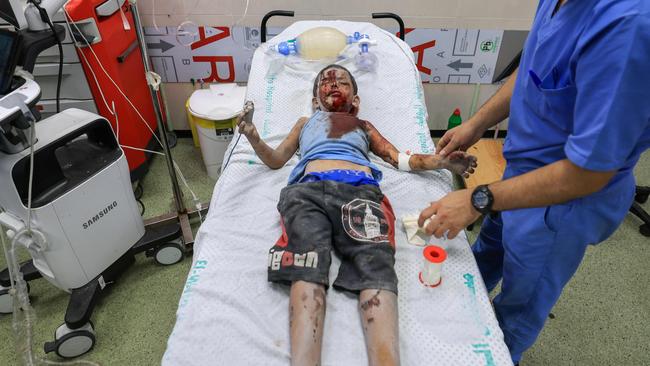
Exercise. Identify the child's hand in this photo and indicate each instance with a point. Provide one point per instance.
(460, 163)
(247, 129)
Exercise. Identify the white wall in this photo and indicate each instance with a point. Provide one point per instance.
(441, 99)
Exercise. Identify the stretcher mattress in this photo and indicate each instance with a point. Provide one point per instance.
(229, 314)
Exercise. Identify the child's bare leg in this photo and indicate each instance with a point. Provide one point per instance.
(379, 318)
(306, 316)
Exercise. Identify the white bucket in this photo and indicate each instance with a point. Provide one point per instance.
(214, 143)
(213, 112)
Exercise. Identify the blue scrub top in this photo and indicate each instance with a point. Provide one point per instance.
(583, 88)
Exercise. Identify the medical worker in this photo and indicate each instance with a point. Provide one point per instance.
(579, 109)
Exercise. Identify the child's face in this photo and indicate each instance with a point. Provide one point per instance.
(336, 93)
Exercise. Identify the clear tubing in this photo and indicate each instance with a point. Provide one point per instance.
(68, 20)
(23, 314)
(236, 24)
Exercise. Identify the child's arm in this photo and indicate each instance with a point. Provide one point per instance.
(458, 162)
(273, 158)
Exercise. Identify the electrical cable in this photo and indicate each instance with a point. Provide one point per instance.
(229, 155)
(6, 252)
(23, 313)
(139, 190)
(101, 66)
(184, 9)
(180, 174)
(180, 33)
(92, 72)
(243, 15)
(195, 199)
(68, 19)
(142, 208)
(46, 18)
(31, 176)
(140, 149)
(117, 122)
(117, 137)
(153, 15)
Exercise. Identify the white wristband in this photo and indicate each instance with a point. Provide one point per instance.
(403, 162)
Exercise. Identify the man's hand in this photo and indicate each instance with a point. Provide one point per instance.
(495, 110)
(459, 138)
(460, 163)
(450, 215)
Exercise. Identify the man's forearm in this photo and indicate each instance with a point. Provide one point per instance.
(497, 108)
(556, 183)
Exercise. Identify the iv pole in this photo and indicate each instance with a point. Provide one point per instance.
(181, 210)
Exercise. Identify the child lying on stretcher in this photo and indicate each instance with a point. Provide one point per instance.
(333, 201)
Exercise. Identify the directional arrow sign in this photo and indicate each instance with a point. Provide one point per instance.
(457, 65)
(162, 46)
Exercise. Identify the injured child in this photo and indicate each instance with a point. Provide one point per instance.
(333, 201)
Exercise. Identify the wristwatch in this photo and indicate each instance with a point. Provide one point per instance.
(482, 199)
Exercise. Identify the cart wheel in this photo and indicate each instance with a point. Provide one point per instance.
(645, 230)
(71, 343)
(168, 254)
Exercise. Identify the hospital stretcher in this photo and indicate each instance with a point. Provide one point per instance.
(229, 314)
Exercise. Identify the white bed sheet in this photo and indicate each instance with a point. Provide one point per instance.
(229, 314)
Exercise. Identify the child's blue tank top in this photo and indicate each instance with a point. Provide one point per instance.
(333, 136)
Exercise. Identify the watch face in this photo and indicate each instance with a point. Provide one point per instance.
(480, 199)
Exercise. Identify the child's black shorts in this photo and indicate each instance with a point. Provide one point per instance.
(356, 221)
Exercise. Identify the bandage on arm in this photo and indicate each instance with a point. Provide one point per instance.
(403, 162)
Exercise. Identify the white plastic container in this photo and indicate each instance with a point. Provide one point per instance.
(213, 114)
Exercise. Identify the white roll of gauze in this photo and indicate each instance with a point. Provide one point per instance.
(434, 257)
(415, 234)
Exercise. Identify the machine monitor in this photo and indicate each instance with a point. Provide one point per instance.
(9, 41)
